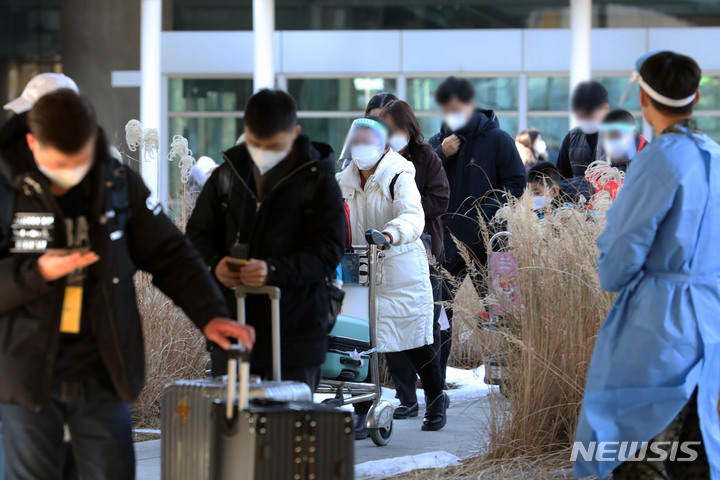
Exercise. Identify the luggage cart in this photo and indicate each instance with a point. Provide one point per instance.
(380, 415)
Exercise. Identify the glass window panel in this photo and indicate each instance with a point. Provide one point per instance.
(616, 86)
(509, 123)
(429, 126)
(548, 93)
(333, 94)
(206, 136)
(496, 93)
(209, 95)
(553, 130)
(710, 94)
(469, 14)
(327, 130)
(711, 126)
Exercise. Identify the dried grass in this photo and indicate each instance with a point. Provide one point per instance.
(546, 341)
(174, 349)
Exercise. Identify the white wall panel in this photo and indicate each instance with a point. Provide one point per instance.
(210, 52)
(461, 50)
(547, 50)
(340, 51)
(617, 49)
(700, 43)
(427, 51)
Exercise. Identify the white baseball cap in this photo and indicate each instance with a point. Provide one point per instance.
(202, 169)
(38, 86)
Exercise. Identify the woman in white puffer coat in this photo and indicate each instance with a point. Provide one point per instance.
(404, 297)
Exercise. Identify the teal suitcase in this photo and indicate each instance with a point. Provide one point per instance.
(349, 334)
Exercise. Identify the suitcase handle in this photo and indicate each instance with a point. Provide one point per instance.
(241, 291)
(237, 352)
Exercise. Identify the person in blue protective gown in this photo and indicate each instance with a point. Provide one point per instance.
(655, 370)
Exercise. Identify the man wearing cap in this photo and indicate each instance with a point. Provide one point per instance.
(653, 382)
(38, 86)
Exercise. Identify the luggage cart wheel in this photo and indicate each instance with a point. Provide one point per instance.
(381, 436)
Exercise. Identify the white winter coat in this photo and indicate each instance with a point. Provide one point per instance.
(405, 301)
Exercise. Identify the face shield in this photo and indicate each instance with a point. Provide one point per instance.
(618, 142)
(658, 97)
(365, 144)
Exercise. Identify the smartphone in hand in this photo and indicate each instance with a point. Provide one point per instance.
(239, 254)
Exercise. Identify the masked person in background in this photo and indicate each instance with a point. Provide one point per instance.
(653, 376)
(404, 298)
(378, 102)
(406, 139)
(619, 139)
(531, 147)
(580, 147)
(483, 166)
(272, 214)
(201, 171)
(71, 333)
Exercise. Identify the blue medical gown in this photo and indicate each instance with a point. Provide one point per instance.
(661, 340)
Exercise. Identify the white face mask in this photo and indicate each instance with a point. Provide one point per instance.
(620, 148)
(540, 202)
(265, 160)
(456, 120)
(589, 127)
(398, 141)
(66, 177)
(540, 147)
(365, 156)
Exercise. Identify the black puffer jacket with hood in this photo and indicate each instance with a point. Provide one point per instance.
(30, 308)
(485, 169)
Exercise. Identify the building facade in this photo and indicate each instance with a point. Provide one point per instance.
(332, 56)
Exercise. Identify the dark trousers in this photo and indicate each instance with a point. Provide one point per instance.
(100, 427)
(685, 427)
(402, 371)
(425, 362)
(307, 375)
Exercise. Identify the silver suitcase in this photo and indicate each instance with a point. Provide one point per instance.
(188, 437)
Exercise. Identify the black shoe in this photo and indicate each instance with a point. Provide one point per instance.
(436, 413)
(406, 411)
(361, 431)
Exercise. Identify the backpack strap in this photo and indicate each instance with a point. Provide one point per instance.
(119, 195)
(7, 208)
(392, 186)
(225, 182)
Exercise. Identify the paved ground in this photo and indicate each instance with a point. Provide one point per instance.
(463, 434)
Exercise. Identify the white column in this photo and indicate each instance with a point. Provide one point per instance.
(522, 102)
(263, 32)
(150, 88)
(580, 43)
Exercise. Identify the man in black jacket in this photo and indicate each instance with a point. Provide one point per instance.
(276, 203)
(482, 166)
(580, 146)
(80, 225)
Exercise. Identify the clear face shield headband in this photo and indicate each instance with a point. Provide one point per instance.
(365, 143)
(618, 142)
(652, 93)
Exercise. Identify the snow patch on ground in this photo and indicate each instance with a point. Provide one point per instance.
(394, 466)
(467, 385)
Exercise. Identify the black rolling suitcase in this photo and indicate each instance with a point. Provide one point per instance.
(263, 439)
(270, 440)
